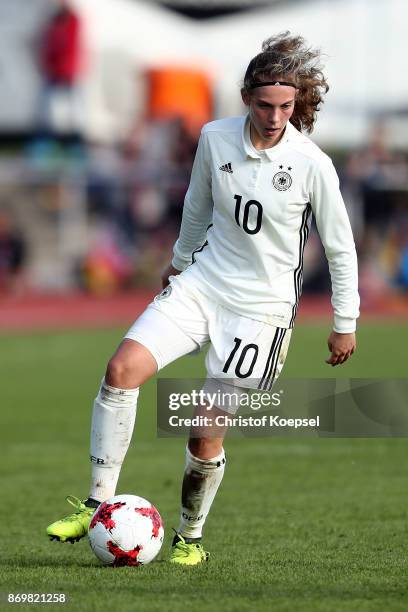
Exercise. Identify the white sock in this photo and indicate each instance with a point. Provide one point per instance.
(113, 419)
(202, 477)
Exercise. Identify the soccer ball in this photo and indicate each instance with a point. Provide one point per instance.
(126, 530)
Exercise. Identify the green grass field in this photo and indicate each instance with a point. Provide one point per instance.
(298, 524)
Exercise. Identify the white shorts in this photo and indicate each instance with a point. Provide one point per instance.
(243, 352)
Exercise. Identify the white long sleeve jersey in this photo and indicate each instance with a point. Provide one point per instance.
(246, 219)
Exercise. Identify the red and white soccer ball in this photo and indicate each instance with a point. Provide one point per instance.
(126, 530)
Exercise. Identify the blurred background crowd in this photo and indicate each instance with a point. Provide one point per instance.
(102, 106)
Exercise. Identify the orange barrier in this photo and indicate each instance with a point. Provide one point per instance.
(180, 92)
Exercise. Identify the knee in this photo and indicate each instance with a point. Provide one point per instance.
(205, 448)
(130, 366)
(119, 373)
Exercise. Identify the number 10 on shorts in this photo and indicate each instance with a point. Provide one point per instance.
(251, 350)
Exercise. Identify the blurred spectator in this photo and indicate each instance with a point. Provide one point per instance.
(377, 180)
(106, 268)
(12, 257)
(163, 150)
(61, 62)
(154, 141)
(394, 254)
(378, 175)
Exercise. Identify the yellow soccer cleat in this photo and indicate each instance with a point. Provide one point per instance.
(187, 553)
(74, 526)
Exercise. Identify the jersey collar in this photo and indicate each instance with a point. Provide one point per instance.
(273, 152)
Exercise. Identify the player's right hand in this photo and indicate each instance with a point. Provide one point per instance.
(169, 271)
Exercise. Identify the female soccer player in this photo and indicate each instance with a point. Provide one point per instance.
(236, 277)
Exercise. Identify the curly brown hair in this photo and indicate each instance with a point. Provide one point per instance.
(287, 58)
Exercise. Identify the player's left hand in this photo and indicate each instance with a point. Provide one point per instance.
(342, 346)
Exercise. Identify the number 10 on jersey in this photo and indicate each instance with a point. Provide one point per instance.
(254, 204)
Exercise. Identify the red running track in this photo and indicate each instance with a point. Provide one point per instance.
(72, 310)
(79, 310)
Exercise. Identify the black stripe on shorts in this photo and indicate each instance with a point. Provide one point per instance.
(271, 358)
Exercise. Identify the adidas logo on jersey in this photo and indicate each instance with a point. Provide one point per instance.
(227, 168)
